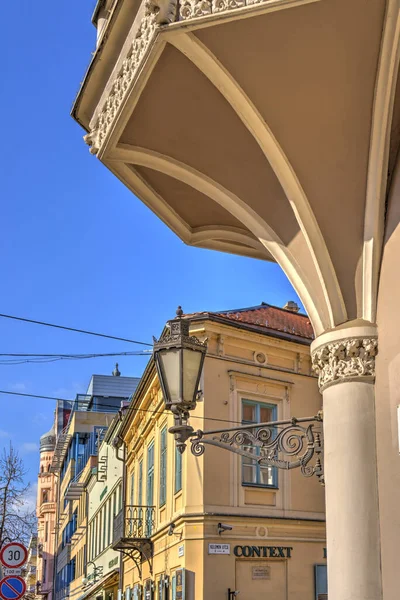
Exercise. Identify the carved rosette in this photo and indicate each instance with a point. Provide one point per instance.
(194, 8)
(351, 359)
(222, 5)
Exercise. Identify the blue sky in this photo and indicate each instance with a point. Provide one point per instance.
(77, 248)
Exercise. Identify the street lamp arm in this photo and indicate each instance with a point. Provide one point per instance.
(282, 444)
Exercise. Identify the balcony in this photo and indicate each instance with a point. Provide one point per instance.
(47, 507)
(131, 524)
(133, 528)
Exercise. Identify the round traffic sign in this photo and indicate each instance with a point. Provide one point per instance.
(13, 555)
(12, 588)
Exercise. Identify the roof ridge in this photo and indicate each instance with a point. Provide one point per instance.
(260, 306)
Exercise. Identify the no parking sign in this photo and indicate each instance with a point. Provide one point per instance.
(12, 588)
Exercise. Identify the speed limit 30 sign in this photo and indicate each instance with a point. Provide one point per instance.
(13, 555)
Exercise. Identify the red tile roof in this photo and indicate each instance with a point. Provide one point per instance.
(270, 319)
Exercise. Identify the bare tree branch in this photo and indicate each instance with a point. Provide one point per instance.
(17, 522)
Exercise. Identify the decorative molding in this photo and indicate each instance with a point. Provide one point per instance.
(222, 5)
(144, 157)
(385, 88)
(350, 359)
(194, 8)
(156, 13)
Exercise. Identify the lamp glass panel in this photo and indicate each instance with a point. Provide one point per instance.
(191, 367)
(170, 362)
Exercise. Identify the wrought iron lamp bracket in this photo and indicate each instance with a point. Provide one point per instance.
(291, 444)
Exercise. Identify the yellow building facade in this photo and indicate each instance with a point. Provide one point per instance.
(199, 527)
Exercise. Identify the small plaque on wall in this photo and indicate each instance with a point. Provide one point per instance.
(219, 548)
(259, 572)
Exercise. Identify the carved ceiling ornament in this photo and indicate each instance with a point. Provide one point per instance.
(345, 360)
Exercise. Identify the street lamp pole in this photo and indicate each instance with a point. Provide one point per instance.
(290, 444)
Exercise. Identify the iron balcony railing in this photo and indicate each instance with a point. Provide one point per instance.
(134, 522)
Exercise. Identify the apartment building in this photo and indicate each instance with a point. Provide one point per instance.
(214, 524)
(75, 461)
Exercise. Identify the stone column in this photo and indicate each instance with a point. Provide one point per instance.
(345, 362)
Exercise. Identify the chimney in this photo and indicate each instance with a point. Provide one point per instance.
(292, 306)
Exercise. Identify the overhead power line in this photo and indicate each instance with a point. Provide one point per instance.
(41, 397)
(104, 335)
(22, 358)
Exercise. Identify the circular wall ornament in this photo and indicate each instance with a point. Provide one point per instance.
(260, 358)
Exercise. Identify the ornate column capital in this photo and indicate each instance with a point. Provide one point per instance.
(345, 355)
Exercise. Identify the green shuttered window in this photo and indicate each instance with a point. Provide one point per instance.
(178, 470)
(163, 466)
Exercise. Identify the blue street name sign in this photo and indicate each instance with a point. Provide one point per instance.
(12, 588)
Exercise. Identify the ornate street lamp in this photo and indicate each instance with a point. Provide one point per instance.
(287, 445)
(179, 359)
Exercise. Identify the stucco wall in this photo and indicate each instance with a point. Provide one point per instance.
(388, 394)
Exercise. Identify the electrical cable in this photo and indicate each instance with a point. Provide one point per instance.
(19, 359)
(112, 406)
(104, 335)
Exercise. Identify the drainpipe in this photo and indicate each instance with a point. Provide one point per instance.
(85, 554)
(56, 530)
(123, 492)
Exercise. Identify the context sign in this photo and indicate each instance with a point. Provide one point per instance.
(13, 555)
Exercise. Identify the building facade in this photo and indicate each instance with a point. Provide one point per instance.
(194, 527)
(46, 505)
(74, 463)
(29, 570)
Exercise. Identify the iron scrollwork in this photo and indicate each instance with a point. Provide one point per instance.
(297, 443)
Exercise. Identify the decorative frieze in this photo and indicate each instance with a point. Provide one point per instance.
(222, 5)
(155, 14)
(190, 9)
(345, 360)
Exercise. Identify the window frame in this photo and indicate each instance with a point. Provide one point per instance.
(163, 467)
(258, 404)
(178, 471)
(140, 483)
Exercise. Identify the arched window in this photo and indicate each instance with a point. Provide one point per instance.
(45, 496)
(42, 469)
(48, 467)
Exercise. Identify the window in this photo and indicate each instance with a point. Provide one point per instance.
(45, 495)
(119, 498)
(150, 475)
(140, 483)
(132, 491)
(253, 474)
(178, 470)
(44, 570)
(46, 531)
(105, 526)
(163, 466)
(100, 531)
(321, 582)
(150, 487)
(110, 520)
